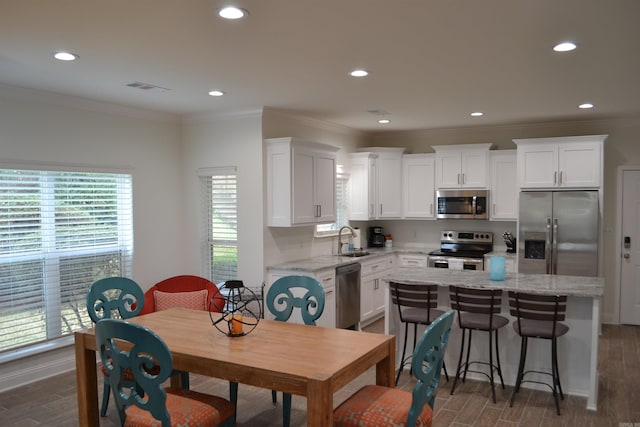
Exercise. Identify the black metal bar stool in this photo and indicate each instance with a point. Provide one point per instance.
(478, 311)
(539, 316)
(416, 305)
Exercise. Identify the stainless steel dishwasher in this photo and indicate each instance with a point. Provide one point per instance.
(348, 296)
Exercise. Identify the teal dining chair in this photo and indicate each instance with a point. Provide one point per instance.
(113, 297)
(144, 401)
(380, 406)
(285, 294)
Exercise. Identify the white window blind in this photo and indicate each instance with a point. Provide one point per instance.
(220, 213)
(59, 232)
(342, 208)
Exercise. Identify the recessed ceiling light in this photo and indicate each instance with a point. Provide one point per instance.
(65, 56)
(216, 93)
(232, 12)
(477, 114)
(564, 47)
(384, 121)
(586, 105)
(359, 73)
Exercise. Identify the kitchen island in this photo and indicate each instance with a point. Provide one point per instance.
(577, 350)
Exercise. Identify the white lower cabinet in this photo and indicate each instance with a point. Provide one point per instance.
(412, 260)
(327, 279)
(372, 287)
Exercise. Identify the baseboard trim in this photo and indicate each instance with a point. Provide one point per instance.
(29, 374)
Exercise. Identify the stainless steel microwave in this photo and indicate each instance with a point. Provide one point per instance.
(462, 204)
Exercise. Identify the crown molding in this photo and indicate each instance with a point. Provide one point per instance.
(53, 98)
(216, 116)
(315, 123)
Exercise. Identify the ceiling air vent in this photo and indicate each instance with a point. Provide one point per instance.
(378, 112)
(148, 86)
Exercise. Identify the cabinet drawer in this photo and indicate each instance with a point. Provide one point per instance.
(377, 266)
(327, 278)
(412, 260)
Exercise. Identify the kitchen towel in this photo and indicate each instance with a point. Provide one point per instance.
(357, 243)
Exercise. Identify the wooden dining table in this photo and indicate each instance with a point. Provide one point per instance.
(303, 360)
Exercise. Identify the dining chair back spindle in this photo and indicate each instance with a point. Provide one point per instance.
(108, 298)
(285, 294)
(282, 298)
(114, 297)
(378, 406)
(129, 347)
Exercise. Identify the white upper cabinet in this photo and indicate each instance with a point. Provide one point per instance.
(503, 192)
(462, 166)
(362, 183)
(564, 162)
(389, 183)
(418, 186)
(301, 182)
(376, 183)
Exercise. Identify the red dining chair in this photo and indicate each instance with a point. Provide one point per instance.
(189, 294)
(184, 291)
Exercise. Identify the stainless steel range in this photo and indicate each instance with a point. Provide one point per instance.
(462, 250)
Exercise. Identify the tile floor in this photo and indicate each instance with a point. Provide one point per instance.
(52, 402)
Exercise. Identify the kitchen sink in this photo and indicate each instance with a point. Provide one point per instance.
(355, 254)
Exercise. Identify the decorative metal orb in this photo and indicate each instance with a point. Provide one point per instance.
(241, 311)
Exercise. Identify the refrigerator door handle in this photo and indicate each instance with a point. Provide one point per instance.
(554, 267)
(547, 248)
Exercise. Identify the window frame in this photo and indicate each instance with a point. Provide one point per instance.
(61, 244)
(208, 241)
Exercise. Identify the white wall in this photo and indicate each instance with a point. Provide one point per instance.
(218, 142)
(52, 129)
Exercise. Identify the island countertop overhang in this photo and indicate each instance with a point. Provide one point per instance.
(590, 287)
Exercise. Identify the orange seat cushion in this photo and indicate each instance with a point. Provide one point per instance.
(379, 406)
(186, 408)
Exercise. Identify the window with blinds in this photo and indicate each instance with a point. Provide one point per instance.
(220, 213)
(342, 208)
(59, 232)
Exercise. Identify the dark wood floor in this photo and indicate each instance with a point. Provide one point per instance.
(52, 402)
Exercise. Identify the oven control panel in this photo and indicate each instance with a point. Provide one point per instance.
(467, 237)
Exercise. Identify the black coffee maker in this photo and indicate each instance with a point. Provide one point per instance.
(376, 237)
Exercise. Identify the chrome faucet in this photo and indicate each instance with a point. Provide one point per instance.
(353, 233)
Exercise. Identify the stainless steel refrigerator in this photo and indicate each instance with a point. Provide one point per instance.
(558, 233)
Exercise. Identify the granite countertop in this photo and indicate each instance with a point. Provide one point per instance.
(592, 287)
(321, 262)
